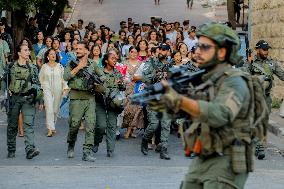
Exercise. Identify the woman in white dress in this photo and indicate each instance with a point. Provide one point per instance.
(53, 85)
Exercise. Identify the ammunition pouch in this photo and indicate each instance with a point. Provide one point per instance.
(242, 157)
(214, 142)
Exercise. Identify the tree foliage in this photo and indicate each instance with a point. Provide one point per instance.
(30, 5)
(14, 5)
(52, 9)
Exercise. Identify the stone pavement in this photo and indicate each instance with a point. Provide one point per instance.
(110, 13)
(128, 169)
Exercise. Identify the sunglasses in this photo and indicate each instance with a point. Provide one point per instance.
(204, 47)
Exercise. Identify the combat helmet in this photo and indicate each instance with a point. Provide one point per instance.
(223, 36)
(116, 100)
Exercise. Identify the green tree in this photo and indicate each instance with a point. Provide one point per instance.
(20, 8)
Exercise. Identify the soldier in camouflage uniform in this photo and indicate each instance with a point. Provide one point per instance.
(109, 104)
(155, 70)
(24, 90)
(82, 102)
(264, 67)
(220, 111)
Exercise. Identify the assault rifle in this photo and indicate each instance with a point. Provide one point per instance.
(178, 78)
(92, 79)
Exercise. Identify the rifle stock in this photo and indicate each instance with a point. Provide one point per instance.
(89, 76)
(178, 78)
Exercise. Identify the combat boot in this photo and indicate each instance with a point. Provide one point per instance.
(70, 150)
(109, 154)
(164, 154)
(95, 148)
(158, 148)
(11, 154)
(87, 156)
(259, 152)
(32, 153)
(144, 146)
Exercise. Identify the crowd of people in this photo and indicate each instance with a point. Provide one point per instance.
(123, 61)
(129, 47)
(97, 71)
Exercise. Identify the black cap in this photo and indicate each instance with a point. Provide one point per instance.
(164, 47)
(186, 22)
(261, 44)
(158, 19)
(192, 29)
(1, 23)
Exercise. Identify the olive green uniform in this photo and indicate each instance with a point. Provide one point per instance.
(265, 69)
(225, 106)
(154, 72)
(23, 79)
(82, 105)
(107, 115)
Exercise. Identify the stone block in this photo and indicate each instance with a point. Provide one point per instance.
(274, 43)
(267, 16)
(266, 30)
(282, 32)
(275, 30)
(274, 53)
(281, 14)
(281, 54)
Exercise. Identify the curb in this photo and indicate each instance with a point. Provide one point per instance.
(71, 14)
(275, 128)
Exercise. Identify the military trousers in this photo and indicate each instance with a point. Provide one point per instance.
(106, 124)
(24, 104)
(213, 173)
(153, 123)
(262, 144)
(268, 100)
(79, 109)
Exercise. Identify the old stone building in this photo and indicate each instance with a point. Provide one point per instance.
(267, 22)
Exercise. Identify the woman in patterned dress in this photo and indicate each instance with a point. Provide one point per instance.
(133, 114)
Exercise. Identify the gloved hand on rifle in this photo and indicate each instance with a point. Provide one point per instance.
(170, 100)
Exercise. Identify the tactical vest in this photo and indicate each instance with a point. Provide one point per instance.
(264, 70)
(160, 69)
(21, 78)
(79, 82)
(115, 98)
(220, 141)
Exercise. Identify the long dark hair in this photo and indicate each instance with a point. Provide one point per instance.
(46, 56)
(105, 59)
(138, 48)
(91, 53)
(29, 43)
(127, 40)
(131, 48)
(162, 38)
(18, 49)
(152, 31)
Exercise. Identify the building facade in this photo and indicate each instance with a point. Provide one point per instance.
(267, 22)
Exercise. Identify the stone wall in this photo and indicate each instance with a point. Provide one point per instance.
(267, 18)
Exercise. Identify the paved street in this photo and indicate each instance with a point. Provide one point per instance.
(128, 168)
(110, 13)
